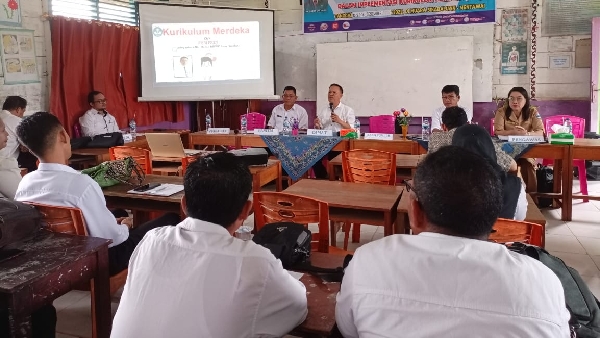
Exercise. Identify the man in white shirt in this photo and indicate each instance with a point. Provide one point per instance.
(10, 174)
(288, 109)
(335, 117)
(450, 98)
(197, 280)
(97, 120)
(447, 280)
(55, 183)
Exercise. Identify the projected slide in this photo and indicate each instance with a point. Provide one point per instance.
(208, 51)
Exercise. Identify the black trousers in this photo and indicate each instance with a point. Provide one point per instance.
(319, 168)
(43, 322)
(118, 255)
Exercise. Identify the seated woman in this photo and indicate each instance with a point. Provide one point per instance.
(476, 139)
(519, 118)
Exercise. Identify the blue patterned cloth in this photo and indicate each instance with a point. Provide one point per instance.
(299, 153)
(516, 150)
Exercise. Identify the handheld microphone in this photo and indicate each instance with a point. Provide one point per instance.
(331, 107)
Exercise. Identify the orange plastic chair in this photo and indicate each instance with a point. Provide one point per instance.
(366, 166)
(141, 156)
(185, 161)
(508, 231)
(271, 207)
(70, 221)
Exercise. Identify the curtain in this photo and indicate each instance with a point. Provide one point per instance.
(94, 55)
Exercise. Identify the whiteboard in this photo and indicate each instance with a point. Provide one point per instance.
(380, 77)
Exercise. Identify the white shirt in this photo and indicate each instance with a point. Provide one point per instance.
(196, 280)
(95, 123)
(279, 113)
(60, 185)
(12, 145)
(433, 285)
(436, 117)
(343, 111)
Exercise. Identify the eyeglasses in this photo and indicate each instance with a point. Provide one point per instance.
(449, 97)
(410, 187)
(516, 99)
(100, 101)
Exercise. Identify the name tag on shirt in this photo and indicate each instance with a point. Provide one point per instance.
(379, 136)
(319, 132)
(526, 139)
(218, 131)
(266, 132)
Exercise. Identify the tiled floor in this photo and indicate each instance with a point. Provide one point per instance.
(576, 242)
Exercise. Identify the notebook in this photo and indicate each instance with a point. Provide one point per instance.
(168, 145)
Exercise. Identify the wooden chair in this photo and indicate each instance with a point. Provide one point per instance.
(366, 166)
(507, 231)
(70, 221)
(271, 207)
(141, 156)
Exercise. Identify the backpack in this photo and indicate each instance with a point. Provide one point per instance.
(581, 302)
(545, 184)
(18, 222)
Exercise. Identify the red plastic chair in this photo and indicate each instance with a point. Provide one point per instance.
(382, 124)
(578, 124)
(255, 121)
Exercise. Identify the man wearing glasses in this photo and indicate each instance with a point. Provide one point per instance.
(288, 109)
(97, 120)
(450, 98)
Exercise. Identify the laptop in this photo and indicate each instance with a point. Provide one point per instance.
(168, 145)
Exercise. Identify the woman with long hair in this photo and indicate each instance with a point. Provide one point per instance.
(518, 117)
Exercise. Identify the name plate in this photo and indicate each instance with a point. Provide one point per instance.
(127, 138)
(319, 132)
(379, 136)
(526, 139)
(218, 131)
(266, 132)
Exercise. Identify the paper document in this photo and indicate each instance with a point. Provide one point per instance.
(296, 275)
(164, 189)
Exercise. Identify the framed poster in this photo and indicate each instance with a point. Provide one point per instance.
(514, 58)
(18, 56)
(10, 13)
(515, 24)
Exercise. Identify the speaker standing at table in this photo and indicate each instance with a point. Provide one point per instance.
(335, 117)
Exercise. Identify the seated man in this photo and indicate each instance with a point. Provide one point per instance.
(450, 281)
(288, 109)
(55, 183)
(450, 98)
(197, 280)
(97, 120)
(453, 118)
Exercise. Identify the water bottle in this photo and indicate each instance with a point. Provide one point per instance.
(357, 127)
(208, 122)
(244, 125)
(569, 125)
(425, 129)
(132, 127)
(286, 126)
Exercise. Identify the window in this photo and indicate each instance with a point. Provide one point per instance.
(569, 17)
(119, 11)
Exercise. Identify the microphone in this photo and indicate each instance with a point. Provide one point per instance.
(331, 107)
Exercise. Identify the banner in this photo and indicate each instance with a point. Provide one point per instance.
(349, 15)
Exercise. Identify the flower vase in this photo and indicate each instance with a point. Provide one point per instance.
(295, 132)
(404, 131)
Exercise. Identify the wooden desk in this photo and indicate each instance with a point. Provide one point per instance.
(262, 175)
(251, 140)
(102, 155)
(320, 320)
(398, 145)
(403, 161)
(354, 202)
(585, 149)
(51, 266)
(202, 139)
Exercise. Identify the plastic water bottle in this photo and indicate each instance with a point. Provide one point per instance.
(425, 129)
(569, 125)
(357, 127)
(208, 122)
(244, 125)
(286, 126)
(132, 127)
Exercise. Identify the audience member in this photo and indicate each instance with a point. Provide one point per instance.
(288, 109)
(97, 120)
(10, 174)
(447, 280)
(55, 183)
(450, 98)
(197, 280)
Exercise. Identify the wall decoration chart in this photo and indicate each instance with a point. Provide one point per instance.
(10, 12)
(515, 25)
(18, 56)
(514, 58)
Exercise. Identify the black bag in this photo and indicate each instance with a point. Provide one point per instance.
(106, 140)
(581, 302)
(18, 222)
(545, 183)
(290, 242)
(81, 142)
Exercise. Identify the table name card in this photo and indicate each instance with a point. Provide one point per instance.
(319, 132)
(266, 132)
(127, 138)
(526, 139)
(218, 131)
(379, 136)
